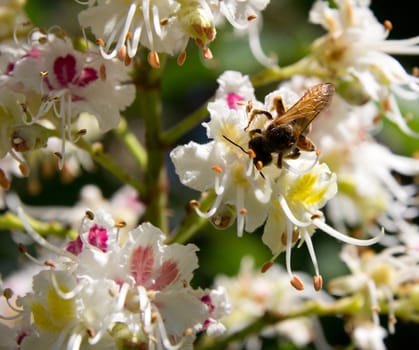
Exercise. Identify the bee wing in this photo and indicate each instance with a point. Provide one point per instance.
(308, 107)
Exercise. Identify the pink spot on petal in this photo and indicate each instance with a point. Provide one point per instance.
(86, 76)
(98, 237)
(167, 273)
(65, 69)
(75, 247)
(232, 99)
(142, 261)
(206, 299)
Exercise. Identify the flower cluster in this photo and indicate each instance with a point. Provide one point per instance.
(103, 291)
(385, 281)
(254, 295)
(284, 194)
(46, 84)
(121, 27)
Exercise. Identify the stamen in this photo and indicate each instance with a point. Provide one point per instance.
(344, 238)
(255, 45)
(39, 239)
(181, 58)
(100, 42)
(388, 25)
(153, 59)
(317, 282)
(241, 211)
(207, 54)
(251, 17)
(289, 214)
(266, 266)
(374, 302)
(311, 251)
(297, 283)
(65, 295)
(4, 181)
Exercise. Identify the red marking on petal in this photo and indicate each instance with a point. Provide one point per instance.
(86, 76)
(65, 69)
(75, 247)
(98, 237)
(166, 275)
(142, 261)
(232, 99)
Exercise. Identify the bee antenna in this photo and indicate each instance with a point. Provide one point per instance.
(235, 144)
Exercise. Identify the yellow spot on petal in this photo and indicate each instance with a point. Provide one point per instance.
(304, 191)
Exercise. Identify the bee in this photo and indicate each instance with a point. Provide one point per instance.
(286, 134)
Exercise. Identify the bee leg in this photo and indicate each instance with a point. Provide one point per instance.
(305, 144)
(279, 106)
(254, 113)
(279, 161)
(254, 132)
(294, 154)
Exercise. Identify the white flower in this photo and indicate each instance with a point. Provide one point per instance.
(387, 278)
(245, 16)
(253, 184)
(163, 26)
(355, 52)
(369, 337)
(103, 291)
(253, 294)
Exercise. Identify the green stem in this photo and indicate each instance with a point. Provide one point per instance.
(343, 306)
(10, 221)
(132, 143)
(191, 223)
(274, 74)
(107, 162)
(148, 81)
(186, 124)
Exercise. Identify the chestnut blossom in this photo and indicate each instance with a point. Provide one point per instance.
(56, 83)
(102, 291)
(161, 26)
(285, 200)
(253, 294)
(245, 17)
(386, 280)
(355, 54)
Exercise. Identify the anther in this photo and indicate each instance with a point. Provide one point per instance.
(187, 332)
(217, 169)
(122, 53)
(375, 309)
(164, 21)
(266, 266)
(24, 169)
(89, 214)
(153, 59)
(415, 71)
(50, 263)
(207, 54)
(128, 36)
(100, 42)
(102, 72)
(181, 58)
(194, 203)
(251, 17)
(259, 165)
(97, 148)
(90, 332)
(120, 224)
(251, 153)
(7, 293)
(388, 25)
(317, 282)
(43, 74)
(297, 283)
(243, 211)
(315, 216)
(4, 181)
(82, 132)
(22, 248)
(58, 155)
